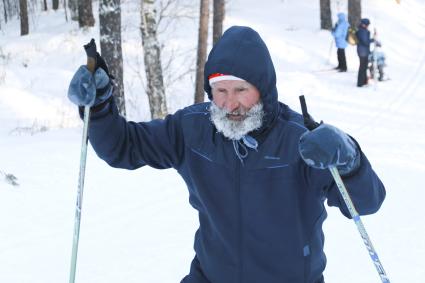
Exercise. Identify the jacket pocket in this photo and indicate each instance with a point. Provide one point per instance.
(307, 263)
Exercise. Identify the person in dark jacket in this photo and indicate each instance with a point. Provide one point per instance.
(255, 174)
(340, 34)
(363, 50)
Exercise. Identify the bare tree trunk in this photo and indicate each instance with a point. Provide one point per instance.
(152, 58)
(354, 12)
(202, 50)
(55, 4)
(45, 5)
(110, 46)
(5, 10)
(66, 10)
(12, 8)
(218, 18)
(85, 13)
(325, 15)
(73, 7)
(23, 14)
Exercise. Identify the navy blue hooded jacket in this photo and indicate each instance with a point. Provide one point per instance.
(364, 41)
(260, 220)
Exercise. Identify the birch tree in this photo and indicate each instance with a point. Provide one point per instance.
(202, 50)
(110, 46)
(152, 59)
(23, 14)
(65, 10)
(5, 2)
(354, 12)
(325, 15)
(73, 8)
(11, 9)
(85, 13)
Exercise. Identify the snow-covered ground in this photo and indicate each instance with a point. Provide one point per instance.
(137, 226)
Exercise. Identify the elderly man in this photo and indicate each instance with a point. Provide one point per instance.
(254, 173)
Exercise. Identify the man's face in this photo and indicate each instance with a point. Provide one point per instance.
(236, 97)
(236, 108)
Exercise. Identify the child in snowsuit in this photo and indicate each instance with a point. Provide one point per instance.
(377, 57)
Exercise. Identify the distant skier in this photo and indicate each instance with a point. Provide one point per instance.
(339, 33)
(256, 176)
(363, 50)
(377, 57)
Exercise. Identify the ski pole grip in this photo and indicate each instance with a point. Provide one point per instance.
(309, 122)
(303, 107)
(91, 52)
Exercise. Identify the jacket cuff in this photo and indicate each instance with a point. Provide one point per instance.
(357, 162)
(99, 110)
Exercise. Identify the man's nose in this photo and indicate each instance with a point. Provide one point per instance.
(231, 103)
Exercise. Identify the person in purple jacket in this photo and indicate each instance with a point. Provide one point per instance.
(255, 175)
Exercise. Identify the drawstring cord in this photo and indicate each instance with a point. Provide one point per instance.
(237, 145)
(240, 146)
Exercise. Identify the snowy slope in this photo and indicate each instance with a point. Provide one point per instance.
(137, 226)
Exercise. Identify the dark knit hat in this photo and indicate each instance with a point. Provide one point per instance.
(365, 21)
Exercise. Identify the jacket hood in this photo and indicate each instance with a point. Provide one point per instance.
(341, 17)
(242, 53)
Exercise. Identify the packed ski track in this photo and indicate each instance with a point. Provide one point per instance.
(137, 226)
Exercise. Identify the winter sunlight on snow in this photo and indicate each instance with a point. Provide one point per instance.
(138, 226)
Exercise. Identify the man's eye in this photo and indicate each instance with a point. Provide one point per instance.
(241, 89)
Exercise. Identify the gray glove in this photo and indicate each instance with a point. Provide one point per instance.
(327, 146)
(87, 89)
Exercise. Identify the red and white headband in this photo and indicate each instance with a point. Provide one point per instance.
(217, 77)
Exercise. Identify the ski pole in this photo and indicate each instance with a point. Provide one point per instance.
(374, 62)
(328, 61)
(91, 65)
(357, 220)
(311, 124)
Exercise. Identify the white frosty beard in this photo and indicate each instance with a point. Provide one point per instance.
(235, 130)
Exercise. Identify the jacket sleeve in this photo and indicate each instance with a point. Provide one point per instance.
(334, 29)
(129, 145)
(364, 187)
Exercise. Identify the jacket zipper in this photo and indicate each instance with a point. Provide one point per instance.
(238, 188)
